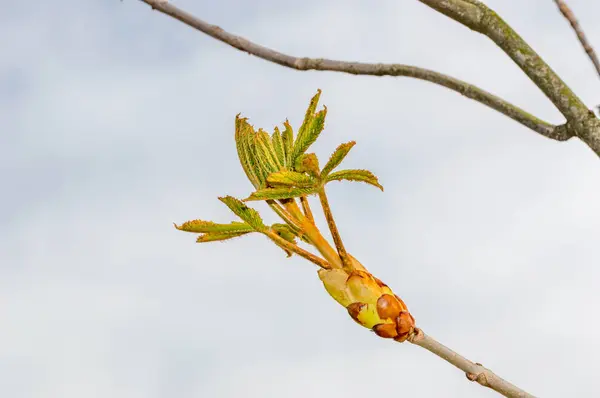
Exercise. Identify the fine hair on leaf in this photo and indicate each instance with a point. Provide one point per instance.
(355, 175)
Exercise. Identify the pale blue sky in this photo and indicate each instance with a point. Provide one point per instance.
(116, 121)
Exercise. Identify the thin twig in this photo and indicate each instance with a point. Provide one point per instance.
(568, 14)
(475, 15)
(474, 371)
(559, 133)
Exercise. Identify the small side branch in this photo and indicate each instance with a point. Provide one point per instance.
(568, 14)
(358, 68)
(478, 17)
(474, 371)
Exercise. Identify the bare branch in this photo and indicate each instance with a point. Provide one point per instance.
(478, 17)
(474, 371)
(568, 14)
(559, 133)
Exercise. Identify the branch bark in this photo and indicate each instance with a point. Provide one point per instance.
(559, 133)
(478, 17)
(474, 371)
(568, 14)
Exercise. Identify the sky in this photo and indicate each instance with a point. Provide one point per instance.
(116, 121)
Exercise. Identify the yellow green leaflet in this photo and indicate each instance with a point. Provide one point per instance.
(355, 175)
(307, 137)
(216, 236)
(288, 142)
(244, 212)
(308, 163)
(281, 193)
(201, 226)
(336, 158)
(291, 179)
(279, 147)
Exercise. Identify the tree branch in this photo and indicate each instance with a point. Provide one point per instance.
(568, 14)
(478, 17)
(559, 133)
(474, 371)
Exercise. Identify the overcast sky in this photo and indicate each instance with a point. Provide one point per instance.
(116, 121)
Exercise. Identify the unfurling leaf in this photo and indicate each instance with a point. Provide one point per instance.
(201, 226)
(217, 236)
(266, 153)
(244, 212)
(288, 141)
(310, 135)
(308, 163)
(355, 175)
(243, 133)
(310, 113)
(279, 147)
(281, 193)
(290, 179)
(336, 158)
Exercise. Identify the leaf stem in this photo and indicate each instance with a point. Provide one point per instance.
(335, 234)
(286, 217)
(298, 250)
(314, 235)
(306, 208)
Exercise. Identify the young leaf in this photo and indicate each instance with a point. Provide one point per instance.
(290, 179)
(244, 212)
(280, 193)
(242, 131)
(308, 163)
(288, 142)
(309, 135)
(310, 113)
(355, 175)
(217, 236)
(266, 152)
(278, 145)
(200, 226)
(250, 151)
(336, 158)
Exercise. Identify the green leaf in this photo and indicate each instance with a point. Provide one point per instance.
(266, 152)
(288, 142)
(251, 153)
(280, 193)
(243, 131)
(355, 175)
(244, 212)
(336, 158)
(308, 163)
(310, 113)
(290, 179)
(216, 236)
(278, 146)
(307, 137)
(201, 226)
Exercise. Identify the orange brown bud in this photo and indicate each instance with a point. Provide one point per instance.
(388, 307)
(385, 330)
